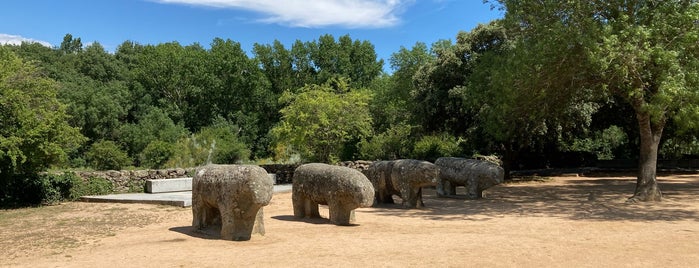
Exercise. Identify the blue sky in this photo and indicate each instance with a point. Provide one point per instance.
(388, 24)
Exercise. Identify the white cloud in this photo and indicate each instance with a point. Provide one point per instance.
(315, 13)
(17, 40)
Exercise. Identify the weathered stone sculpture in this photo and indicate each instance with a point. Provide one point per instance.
(475, 175)
(233, 194)
(403, 177)
(342, 189)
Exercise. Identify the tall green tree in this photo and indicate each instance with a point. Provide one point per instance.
(321, 120)
(33, 130)
(240, 93)
(646, 52)
(436, 108)
(393, 101)
(170, 74)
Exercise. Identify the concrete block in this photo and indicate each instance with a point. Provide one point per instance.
(168, 185)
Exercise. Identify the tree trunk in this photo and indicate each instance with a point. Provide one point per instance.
(507, 160)
(646, 183)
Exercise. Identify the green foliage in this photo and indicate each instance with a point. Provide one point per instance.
(395, 143)
(240, 94)
(32, 121)
(35, 189)
(680, 147)
(33, 130)
(603, 143)
(321, 119)
(156, 154)
(153, 126)
(218, 144)
(97, 108)
(174, 76)
(91, 186)
(432, 147)
(107, 155)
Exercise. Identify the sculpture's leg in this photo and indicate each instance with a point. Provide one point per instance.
(197, 212)
(388, 198)
(408, 196)
(299, 202)
(259, 222)
(339, 214)
(227, 221)
(440, 188)
(311, 209)
(419, 203)
(244, 220)
(474, 192)
(450, 188)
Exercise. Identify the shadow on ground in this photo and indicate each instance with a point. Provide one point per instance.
(212, 232)
(598, 198)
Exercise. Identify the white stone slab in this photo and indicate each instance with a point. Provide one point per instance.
(168, 185)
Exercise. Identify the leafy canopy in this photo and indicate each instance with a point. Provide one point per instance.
(321, 119)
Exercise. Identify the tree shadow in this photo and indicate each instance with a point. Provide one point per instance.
(599, 198)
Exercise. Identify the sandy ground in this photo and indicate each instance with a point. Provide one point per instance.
(562, 222)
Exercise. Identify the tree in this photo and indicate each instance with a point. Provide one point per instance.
(393, 103)
(436, 109)
(70, 45)
(241, 94)
(321, 119)
(154, 126)
(33, 130)
(172, 75)
(646, 52)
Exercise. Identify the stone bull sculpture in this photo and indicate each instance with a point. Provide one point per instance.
(233, 195)
(474, 175)
(342, 189)
(404, 178)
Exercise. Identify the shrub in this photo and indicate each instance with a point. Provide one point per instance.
(218, 144)
(434, 146)
(156, 154)
(107, 155)
(395, 143)
(604, 144)
(91, 186)
(45, 188)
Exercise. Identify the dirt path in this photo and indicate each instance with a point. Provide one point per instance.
(564, 222)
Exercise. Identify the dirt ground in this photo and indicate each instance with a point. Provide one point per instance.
(560, 222)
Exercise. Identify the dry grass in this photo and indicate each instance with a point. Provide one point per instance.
(69, 225)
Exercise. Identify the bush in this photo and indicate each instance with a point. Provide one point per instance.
(107, 155)
(92, 186)
(218, 144)
(156, 154)
(434, 146)
(35, 190)
(604, 144)
(395, 143)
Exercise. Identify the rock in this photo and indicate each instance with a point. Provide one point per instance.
(404, 177)
(342, 189)
(475, 175)
(233, 194)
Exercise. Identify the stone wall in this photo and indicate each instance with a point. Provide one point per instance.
(135, 180)
(360, 165)
(284, 172)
